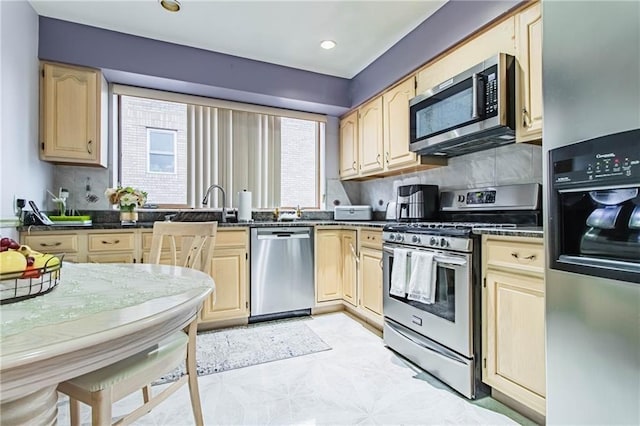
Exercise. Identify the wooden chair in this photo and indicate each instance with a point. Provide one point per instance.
(189, 245)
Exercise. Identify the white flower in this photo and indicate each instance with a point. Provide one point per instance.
(128, 200)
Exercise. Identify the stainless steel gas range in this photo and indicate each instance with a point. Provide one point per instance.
(435, 321)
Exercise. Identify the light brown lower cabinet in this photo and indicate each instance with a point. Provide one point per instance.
(514, 319)
(371, 280)
(229, 267)
(348, 264)
(230, 271)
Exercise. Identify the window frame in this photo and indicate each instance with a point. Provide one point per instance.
(174, 133)
(117, 91)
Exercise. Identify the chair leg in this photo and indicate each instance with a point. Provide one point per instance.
(101, 408)
(192, 372)
(146, 393)
(74, 412)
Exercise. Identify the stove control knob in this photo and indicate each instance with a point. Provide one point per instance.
(444, 243)
(415, 239)
(399, 237)
(433, 241)
(392, 237)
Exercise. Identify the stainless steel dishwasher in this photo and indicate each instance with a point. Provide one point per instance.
(281, 272)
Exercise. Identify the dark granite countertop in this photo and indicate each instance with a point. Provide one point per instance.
(525, 231)
(149, 225)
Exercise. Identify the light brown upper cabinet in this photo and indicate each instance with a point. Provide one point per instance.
(498, 39)
(529, 93)
(349, 164)
(395, 122)
(371, 145)
(383, 137)
(70, 115)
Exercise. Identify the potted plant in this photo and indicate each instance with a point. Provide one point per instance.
(127, 199)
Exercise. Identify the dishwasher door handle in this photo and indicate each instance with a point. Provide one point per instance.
(275, 235)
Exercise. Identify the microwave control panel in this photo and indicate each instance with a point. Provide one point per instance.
(609, 160)
(490, 80)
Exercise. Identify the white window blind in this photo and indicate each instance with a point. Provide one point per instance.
(276, 157)
(235, 149)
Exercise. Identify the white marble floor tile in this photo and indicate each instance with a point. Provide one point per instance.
(358, 381)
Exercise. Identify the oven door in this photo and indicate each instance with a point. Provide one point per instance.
(448, 321)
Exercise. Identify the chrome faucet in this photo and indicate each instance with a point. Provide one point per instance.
(205, 200)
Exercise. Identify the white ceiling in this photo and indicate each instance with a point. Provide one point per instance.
(281, 32)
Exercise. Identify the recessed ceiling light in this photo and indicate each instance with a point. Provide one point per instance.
(170, 5)
(328, 44)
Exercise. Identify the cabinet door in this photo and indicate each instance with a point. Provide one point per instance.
(515, 334)
(529, 93)
(499, 39)
(370, 137)
(328, 265)
(70, 115)
(371, 280)
(396, 125)
(349, 267)
(349, 146)
(229, 271)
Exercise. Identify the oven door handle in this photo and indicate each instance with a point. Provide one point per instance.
(426, 345)
(450, 260)
(455, 261)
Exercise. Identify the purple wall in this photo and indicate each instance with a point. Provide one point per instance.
(453, 22)
(127, 59)
(145, 62)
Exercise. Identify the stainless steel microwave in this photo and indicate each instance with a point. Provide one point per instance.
(472, 111)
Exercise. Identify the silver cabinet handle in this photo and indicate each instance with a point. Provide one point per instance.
(517, 256)
(354, 166)
(110, 242)
(378, 159)
(56, 244)
(524, 118)
(89, 148)
(387, 155)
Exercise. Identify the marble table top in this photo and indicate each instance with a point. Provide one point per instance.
(98, 314)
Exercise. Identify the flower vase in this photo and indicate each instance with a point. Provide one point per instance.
(128, 216)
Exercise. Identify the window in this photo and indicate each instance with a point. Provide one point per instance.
(175, 148)
(162, 151)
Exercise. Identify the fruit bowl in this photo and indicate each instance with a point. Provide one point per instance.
(20, 285)
(25, 272)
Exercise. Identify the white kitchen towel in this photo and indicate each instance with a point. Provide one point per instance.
(399, 272)
(422, 281)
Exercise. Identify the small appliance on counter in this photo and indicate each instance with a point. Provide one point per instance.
(390, 213)
(352, 213)
(417, 203)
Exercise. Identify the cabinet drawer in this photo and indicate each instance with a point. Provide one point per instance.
(521, 255)
(111, 242)
(67, 243)
(166, 242)
(371, 238)
(231, 238)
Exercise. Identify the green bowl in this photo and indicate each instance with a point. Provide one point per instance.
(69, 218)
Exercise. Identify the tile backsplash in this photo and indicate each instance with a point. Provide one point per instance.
(86, 187)
(506, 165)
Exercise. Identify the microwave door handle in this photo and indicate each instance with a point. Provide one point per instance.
(474, 100)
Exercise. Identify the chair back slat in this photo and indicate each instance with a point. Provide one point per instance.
(196, 241)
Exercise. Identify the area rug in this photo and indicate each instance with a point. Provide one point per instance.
(238, 347)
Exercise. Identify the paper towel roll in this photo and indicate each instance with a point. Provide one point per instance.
(244, 206)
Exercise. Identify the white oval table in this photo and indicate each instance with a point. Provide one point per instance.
(98, 314)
